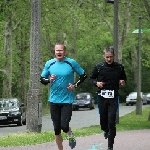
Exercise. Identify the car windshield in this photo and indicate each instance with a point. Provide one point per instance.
(148, 95)
(83, 97)
(8, 104)
(134, 94)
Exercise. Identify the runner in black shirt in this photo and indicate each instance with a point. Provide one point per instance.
(107, 76)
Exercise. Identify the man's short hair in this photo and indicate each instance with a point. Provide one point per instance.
(108, 49)
(61, 43)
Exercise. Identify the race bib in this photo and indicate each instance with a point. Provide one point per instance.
(107, 93)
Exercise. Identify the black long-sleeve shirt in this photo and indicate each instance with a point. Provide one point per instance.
(110, 74)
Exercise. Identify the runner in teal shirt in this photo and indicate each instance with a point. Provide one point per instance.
(59, 72)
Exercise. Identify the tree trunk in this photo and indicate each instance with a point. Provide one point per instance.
(7, 82)
(134, 65)
(139, 98)
(23, 77)
(149, 116)
(34, 103)
(22, 47)
(124, 32)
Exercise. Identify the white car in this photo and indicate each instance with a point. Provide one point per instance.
(148, 98)
(132, 97)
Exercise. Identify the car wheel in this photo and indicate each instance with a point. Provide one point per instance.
(74, 109)
(24, 122)
(20, 121)
(143, 103)
(77, 108)
(91, 106)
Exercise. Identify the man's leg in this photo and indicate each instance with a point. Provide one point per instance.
(66, 114)
(103, 111)
(55, 111)
(59, 141)
(112, 121)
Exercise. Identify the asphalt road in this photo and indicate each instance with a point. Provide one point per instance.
(81, 118)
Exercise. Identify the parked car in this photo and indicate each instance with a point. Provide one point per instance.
(132, 98)
(83, 100)
(12, 112)
(148, 98)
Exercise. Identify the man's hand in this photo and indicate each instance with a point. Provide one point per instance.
(100, 84)
(52, 77)
(70, 87)
(122, 82)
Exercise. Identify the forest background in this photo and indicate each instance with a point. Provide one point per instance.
(86, 27)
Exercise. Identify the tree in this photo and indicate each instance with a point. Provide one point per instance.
(147, 5)
(7, 82)
(34, 104)
(89, 28)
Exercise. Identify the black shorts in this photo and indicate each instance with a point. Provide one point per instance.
(61, 116)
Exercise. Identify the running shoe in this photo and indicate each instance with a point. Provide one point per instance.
(110, 148)
(72, 141)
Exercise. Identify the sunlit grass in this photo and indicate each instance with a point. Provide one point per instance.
(128, 122)
(132, 121)
(26, 138)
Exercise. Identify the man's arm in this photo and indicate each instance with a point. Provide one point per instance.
(44, 80)
(81, 79)
(93, 76)
(123, 77)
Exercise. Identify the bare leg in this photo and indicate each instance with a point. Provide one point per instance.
(59, 141)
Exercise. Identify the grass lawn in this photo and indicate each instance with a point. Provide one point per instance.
(128, 122)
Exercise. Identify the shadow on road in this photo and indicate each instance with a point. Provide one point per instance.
(8, 125)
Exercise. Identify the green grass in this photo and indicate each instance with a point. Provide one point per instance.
(128, 122)
(134, 122)
(45, 110)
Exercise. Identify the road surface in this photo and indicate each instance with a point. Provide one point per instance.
(81, 118)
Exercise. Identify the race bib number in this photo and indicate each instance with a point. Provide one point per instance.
(107, 93)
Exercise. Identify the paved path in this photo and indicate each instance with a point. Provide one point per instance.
(126, 140)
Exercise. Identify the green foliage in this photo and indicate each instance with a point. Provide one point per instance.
(87, 27)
